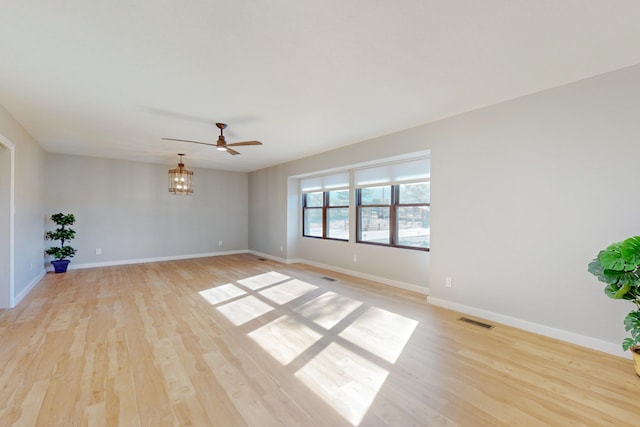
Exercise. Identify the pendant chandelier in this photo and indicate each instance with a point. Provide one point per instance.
(180, 179)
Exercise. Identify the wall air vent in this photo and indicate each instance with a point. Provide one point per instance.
(476, 323)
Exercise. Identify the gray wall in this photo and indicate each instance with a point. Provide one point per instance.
(274, 218)
(124, 208)
(524, 194)
(29, 203)
(527, 192)
(267, 211)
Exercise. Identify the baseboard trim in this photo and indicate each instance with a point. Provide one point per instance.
(73, 266)
(377, 279)
(271, 257)
(29, 287)
(573, 338)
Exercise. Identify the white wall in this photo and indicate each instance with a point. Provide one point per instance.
(124, 208)
(29, 204)
(524, 195)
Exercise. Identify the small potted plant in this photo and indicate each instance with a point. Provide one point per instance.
(63, 233)
(619, 267)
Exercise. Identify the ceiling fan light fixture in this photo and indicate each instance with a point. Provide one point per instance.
(221, 145)
(180, 179)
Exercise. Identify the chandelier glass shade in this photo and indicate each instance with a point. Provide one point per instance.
(180, 179)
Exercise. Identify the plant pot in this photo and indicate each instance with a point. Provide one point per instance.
(60, 265)
(635, 351)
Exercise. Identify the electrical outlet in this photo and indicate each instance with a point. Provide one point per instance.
(219, 242)
(98, 251)
(281, 248)
(447, 281)
(355, 258)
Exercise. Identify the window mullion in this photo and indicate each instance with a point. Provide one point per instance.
(392, 215)
(325, 200)
(357, 200)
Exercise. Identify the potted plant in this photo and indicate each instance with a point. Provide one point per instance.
(63, 233)
(619, 267)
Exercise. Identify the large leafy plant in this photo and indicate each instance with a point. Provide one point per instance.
(619, 267)
(63, 233)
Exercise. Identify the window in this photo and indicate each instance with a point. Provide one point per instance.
(313, 213)
(392, 204)
(337, 214)
(394, 215)
(325, 213)
(412, 215)
(374, 214)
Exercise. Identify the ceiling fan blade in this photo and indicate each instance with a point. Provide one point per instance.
(221, 144)
(186, 140)
(236, 144)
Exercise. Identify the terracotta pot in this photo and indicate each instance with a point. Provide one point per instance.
(635, 351)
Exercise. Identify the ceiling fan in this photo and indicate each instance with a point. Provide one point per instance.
(221, 145)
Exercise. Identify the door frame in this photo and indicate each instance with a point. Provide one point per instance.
(7, 291)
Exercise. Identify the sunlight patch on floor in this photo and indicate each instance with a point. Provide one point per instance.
(381, 332)
(346, 381)
(243, 310)
(285, 338)
(287, 291)
(328, 309)
(221, 293)
(261, 280)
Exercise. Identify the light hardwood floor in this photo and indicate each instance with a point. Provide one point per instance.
(236, 341)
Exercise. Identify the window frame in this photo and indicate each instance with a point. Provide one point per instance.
(393, 206)
(359, 207)
(325, 208)
(304, 213)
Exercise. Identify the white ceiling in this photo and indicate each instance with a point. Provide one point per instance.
(111, 78)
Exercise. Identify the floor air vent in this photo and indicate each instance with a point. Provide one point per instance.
(330, 279)
(475, 322)
(262, 259)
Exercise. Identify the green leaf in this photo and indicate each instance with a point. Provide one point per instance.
(596, 268)
(611, 258)
(62, 219)
(615, 291)
(61, 252)
(628, 343)
(630, 249)
(632, 321)
(613, 276)
(621, 256)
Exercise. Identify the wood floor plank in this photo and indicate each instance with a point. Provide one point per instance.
(236, 341)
